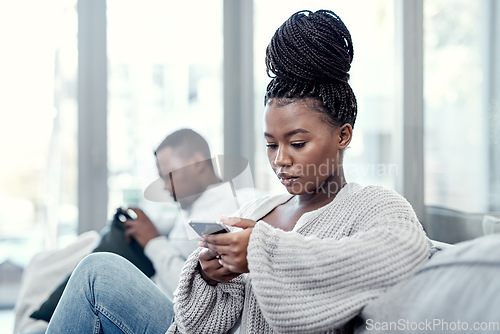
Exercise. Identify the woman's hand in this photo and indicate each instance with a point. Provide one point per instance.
(211, 270)
(231, 247)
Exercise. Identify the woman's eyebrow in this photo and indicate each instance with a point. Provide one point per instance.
(289, 133)
(294, 132)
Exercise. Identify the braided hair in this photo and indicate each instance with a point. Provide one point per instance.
(310, 56)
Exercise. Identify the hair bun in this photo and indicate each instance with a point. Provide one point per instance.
(311, 47)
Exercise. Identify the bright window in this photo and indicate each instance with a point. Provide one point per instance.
(456, 119)
(38, 173)
(38, 129)
(165, 73)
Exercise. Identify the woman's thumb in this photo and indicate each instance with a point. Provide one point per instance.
(238, 222)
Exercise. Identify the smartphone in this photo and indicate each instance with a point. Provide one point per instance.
(208, 227)
(124, 214)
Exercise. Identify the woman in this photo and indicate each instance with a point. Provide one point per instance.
(304, 262)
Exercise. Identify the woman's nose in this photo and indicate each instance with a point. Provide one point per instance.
(282, 158)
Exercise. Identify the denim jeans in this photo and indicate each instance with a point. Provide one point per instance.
(108, 294)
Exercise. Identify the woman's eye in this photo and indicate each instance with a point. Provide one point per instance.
(299, 144)
(272, 146)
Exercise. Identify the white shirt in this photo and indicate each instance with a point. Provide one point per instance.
(168, 253)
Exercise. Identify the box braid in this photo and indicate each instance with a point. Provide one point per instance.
(310, 55)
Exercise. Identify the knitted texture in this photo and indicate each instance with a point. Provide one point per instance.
(315, 278)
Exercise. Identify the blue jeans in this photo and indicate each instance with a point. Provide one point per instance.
(108, 294)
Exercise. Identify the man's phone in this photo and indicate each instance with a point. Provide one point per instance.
(208, 227)
(123, 214)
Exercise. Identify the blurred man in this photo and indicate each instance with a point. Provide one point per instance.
(185, 167)
(187, 174)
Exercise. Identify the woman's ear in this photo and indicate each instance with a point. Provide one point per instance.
(345, 135)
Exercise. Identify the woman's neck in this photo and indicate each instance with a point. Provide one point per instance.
(324, 194)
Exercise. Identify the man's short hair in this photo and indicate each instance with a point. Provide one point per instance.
(186, 143)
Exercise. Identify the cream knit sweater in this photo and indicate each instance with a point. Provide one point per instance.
(315, 278)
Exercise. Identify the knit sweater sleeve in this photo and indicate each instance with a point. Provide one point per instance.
(306, 284)
(202, 308)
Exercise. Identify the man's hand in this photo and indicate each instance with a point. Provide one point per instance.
(231, 247)
(211, 270)
(141, 229)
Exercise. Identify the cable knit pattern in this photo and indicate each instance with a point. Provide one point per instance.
(313, 279)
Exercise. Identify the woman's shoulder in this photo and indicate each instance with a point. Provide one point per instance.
(374, 193)
(375, 199)
(262, 203)
(375, 205)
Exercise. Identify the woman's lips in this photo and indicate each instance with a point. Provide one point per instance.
(287, 179)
